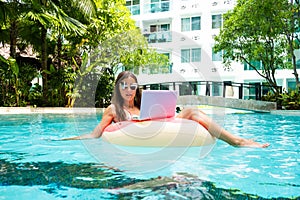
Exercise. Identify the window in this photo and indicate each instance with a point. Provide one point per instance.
(216, 21)
(196, 55)
(253, 90)
(256, 64)
(191, 23)
(217, 56)
(216, 89)
(190, 55)
(291, 84)
(165, 27)
(185, 24)
(185, 55)
(159, 28)
(159, 33)
(166, 54)
(159, 6)
(298, 64)
(132, 2)
(196, 23)
(133, 6)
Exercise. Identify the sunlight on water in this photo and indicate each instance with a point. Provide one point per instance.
(35, 163)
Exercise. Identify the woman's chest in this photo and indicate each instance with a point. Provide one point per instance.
(133, 111)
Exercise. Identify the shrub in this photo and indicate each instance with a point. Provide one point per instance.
(286, 100)
(35, 95)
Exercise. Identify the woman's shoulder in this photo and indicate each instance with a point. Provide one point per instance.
(109, 111)
(110, 108)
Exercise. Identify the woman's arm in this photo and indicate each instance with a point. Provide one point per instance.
(107, 118)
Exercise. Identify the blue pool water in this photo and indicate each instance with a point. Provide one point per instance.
(35, 164)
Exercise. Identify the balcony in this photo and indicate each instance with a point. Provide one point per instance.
(157, 7)
(157, 70)
(159, 37)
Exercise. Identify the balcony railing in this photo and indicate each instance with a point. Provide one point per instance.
(157, 7)
(245, 91)
(159, 37)
(158, 70)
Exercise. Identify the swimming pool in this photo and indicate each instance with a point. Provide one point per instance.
(36, 165)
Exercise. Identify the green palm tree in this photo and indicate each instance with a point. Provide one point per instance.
(51, 16)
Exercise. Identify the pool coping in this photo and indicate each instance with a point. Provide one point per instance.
(89, 110)
(48, 110)
(286, 112)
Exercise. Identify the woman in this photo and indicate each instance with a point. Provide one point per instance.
(126, 104)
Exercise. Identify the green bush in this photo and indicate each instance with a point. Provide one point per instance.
(35, 95)
(286, 100)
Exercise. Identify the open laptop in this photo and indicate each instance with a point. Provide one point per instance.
(157, 104)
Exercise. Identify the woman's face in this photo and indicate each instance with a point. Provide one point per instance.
(128, 87)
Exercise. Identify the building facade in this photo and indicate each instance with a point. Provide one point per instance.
(184, 30)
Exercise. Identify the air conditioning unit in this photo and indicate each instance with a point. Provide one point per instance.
(227, 2)
(214, 69)
(196, 37)
(183, 7)
(182, 38)
(195, 5)
(214, 3)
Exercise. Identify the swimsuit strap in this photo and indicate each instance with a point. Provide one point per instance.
(128, 114)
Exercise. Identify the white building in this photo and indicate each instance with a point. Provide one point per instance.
(184, 30)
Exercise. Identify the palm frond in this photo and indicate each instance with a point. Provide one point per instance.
(88, 7)
(67, 23)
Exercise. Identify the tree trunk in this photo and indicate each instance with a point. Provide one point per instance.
(59, 59)
(44, 58)
(13, 39)
(295, 71)
(297, 2)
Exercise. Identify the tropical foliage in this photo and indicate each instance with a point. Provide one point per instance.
(288, 100)
(78, 45)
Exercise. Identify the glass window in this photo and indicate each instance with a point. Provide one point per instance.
(216, 21)
(185, 24)
(252, 91)
(196, 23)
(167, 54)
(132, 2)
(257, 64)
(185, 55)
(190, 55)
(165, 27)
(196, 55)
(159, 27)
(190, 23)
(291, 84)
(154, 87)
(217, 56)
(133, 6)
(216, 89)
(298, 64)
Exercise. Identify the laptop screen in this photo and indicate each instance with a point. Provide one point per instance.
(158, 104)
